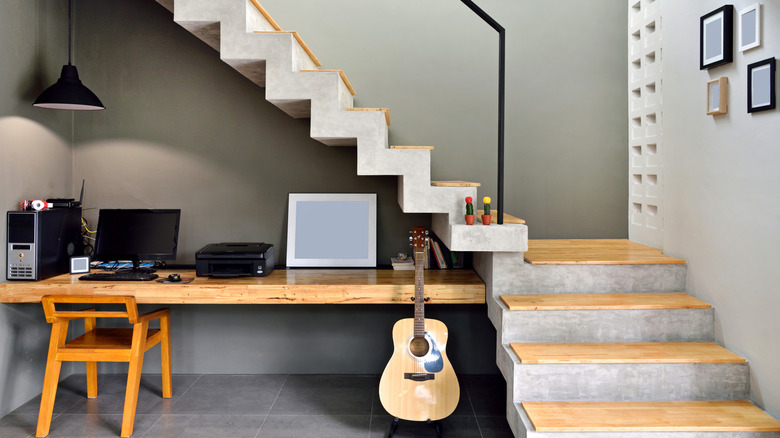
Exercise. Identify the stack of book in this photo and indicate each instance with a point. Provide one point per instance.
(402, 264)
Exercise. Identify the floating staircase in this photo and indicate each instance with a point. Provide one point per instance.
(253, 43)
(565, 319)
(597, 339)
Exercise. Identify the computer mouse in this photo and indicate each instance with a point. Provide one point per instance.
(174, 277)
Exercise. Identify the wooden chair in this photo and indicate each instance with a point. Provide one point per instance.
(103, 345)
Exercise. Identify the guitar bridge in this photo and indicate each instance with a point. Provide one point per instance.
(419, 377)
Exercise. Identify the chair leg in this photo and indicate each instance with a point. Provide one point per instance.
(134, 376)
(59, 331)
(92, 391)
(165, 354)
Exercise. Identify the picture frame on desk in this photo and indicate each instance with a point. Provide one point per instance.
(332, 230)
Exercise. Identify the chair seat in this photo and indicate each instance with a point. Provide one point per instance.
(108, 338)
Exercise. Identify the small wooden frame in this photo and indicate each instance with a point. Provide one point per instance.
(718, 96)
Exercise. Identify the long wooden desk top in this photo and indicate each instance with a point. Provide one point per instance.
(298, 286)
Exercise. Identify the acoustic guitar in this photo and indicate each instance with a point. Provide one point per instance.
(419, 383)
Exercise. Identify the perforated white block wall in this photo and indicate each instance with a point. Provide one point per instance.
(645, 131)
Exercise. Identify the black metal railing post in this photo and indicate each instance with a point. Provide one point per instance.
(501, 99)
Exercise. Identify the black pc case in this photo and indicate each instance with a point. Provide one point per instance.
(40, 243)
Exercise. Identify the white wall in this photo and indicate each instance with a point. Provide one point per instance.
(722, 191)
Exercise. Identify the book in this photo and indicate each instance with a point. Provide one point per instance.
(406, 264)
(441, 262)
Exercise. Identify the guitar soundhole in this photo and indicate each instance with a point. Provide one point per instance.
(419, 346)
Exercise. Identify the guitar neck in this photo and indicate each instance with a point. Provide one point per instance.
(419, 294)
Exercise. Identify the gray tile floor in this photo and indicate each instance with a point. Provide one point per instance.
(256, 406)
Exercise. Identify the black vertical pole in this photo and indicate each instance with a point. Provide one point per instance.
(501, 101)
(501, 92)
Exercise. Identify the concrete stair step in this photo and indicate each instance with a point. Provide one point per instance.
(608, 317)
(508, 218)
(342, 76)
(527, 278)
(620, 372)
(594, 252)
(667, 418)
(622, 352)
(384, 110)
(606, 301)
(300, 41)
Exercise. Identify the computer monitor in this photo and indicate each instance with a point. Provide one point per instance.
(136, 235)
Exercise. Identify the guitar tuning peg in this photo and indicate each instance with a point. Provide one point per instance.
(411, 238)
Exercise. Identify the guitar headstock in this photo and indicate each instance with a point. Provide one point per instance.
(419, 238)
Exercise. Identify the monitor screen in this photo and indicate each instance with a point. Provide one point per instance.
(136, 235)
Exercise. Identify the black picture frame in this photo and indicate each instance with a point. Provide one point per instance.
(761, 94)
(716, 37)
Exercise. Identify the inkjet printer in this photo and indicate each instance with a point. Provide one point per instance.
(235, 260)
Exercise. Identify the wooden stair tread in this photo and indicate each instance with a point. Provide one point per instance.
(594, 252)
(298, 38)
(668, 416)
(455, 184)
(622, 352)
(430, 148)
(341, 74)
(508, 218)
(630, 301)
(385, 110)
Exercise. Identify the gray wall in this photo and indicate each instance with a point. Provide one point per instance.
(35, 161)
(184, 130)
(721, 192)
(435, 65)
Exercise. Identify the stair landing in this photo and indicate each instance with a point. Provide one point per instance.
(671, 416)
(594, 252)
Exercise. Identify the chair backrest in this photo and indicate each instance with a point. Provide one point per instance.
(53, 315)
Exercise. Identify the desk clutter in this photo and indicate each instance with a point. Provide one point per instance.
(435, 255)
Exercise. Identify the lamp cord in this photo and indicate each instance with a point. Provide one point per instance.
(70, 37)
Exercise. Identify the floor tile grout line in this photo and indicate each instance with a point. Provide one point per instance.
(270, 408)
(473, 410)
(172, 404)
(188, 388)
(374, 395)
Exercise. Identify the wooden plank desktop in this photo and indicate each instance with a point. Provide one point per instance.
(295, 286)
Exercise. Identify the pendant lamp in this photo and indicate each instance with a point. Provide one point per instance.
(69, 93)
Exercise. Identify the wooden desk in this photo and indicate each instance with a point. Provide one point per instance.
(299, 286)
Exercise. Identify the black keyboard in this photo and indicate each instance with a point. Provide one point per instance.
(119, 276)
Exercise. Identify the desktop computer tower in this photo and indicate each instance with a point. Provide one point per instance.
(40, 243)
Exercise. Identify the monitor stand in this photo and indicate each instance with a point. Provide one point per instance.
(137, 268)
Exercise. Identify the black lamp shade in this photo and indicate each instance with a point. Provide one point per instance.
(69, 93)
